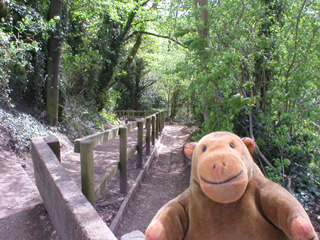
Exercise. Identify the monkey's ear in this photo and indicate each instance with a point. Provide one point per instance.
(189, 148)
(250, 143)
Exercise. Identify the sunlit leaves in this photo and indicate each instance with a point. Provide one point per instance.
(181, 31)
(261, 58)
(238, 102)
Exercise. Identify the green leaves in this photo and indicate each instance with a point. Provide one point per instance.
(198, 43)
(238, 101)
(248, 85)
(182, 31)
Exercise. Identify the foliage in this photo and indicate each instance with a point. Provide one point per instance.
(22, 127)
(100, 42)
(132, 86)
(306, 186)
(168, 65)
(23, 57)
(104, 46)
(81, 119)
(80, 72)
(257, 72)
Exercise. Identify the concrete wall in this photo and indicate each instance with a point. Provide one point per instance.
(71, 214)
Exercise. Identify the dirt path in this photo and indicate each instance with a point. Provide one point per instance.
(168, 177)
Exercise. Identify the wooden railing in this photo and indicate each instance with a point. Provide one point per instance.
(133, 115)
(154, 125)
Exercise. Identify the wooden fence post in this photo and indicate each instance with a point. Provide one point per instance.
(157, 125)
(160, 122)
(163, 120)
(87, 171)
(148, 121)
(153, 133)
(140, 143)
(123, 132)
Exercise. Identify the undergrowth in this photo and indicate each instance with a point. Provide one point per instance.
(80, 119)
(21, 127)
(77, 122)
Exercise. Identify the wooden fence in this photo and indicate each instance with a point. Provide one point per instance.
(132, 115)
(154, 125)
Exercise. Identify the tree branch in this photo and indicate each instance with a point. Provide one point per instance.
(296, 41)
(147, 85)
(154, 34)
(144, 3)
(259, 152)
(133, 53)
(265, 159)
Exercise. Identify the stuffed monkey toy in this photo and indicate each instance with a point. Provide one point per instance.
(230, 199)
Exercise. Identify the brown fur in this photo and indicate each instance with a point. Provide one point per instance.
(230, 199)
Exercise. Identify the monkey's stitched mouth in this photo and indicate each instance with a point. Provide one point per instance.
(226, 181)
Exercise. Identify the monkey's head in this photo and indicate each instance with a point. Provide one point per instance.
(222, 165)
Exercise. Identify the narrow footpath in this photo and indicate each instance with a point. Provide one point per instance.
(168, 177)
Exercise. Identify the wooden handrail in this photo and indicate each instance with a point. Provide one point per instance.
(136, 113)
(97, 138)
(154, 125)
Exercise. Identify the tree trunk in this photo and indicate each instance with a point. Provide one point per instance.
(204, 34)
(3, 9)
(53, 67)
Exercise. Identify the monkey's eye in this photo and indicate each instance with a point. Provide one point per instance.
(204, 149)
(232, 145)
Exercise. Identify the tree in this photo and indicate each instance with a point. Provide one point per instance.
(201, 7)
(3, 9)
(53, 67)
(133, 85)
(113, 39)
(115, 35)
